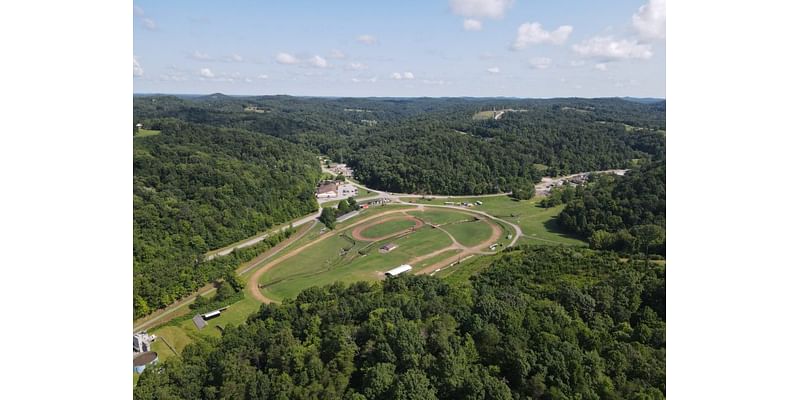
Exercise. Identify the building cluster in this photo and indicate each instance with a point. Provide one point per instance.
(341, 169)
(142, 351)
(142, 342)
(387, 247)
(463, 203)
(336, 189)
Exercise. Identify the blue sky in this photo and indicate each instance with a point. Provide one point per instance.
(520, 48)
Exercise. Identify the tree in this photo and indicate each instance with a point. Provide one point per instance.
(224, 291)
(235, 281)
(328, 217)
(340, 178)
(522, 192)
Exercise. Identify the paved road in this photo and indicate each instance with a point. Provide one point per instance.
(256, 239)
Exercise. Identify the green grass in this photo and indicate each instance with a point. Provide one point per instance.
(146, 133)
(538, 224)
(469, 233)
(322, 263)
(385, 228)
(460, 273)
(441, 216)
(483, 115)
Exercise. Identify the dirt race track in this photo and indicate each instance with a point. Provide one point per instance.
(358, 236)
(253, 282)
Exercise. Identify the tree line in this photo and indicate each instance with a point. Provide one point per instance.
(626, 213)
(541, 322)
(197, 188)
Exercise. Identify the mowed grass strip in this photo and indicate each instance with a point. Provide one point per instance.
(146, 133)
(386, 228)
(469, 233)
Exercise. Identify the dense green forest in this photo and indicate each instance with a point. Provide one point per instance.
(626, 213)
(433, 145)
(540, 322)
(197, 188)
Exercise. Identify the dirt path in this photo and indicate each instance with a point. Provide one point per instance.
(477, 249)
(358, 236)
(252, 282)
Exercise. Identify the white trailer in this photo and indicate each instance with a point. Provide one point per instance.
(399, 270)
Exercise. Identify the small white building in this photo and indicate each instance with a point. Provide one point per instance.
(399, 270)
(142, 341)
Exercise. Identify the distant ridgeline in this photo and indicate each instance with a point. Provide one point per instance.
(540, 322)
(197, 188)
(428, 145)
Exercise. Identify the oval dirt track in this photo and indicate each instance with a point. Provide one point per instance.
(358, 236)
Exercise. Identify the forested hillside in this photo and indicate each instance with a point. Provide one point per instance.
(627, 213)
(434, 145)
(197, 188)
(551, 323)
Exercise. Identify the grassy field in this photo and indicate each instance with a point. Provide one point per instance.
(146, 133)
(439, 216)
(538, 224)
(469, 233)
(386, 228)
(325, 262)
(460, 273)
(483, 115)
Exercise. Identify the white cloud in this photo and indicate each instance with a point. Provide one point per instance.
(263, 76)
(532, 33)
(286, 59)
(601, 66)
(149, 24)
(206, 73)
(318, 62)
(356, 66)
(472, 25)
(540, 62)
(577, 63)
(198, 55)
(237, 58)
(137, 11)
(494, 70)
(137, 69)
(606, 48)
(430, 82)
(402, 76)
(367, 39)
(651, 20)
(370, 80)
(337, 54)
(480, 8)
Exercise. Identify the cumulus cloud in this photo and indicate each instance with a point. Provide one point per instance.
(237, 58)
(137, 69)
(472, 25)
(149, 24)
(318, 62)
(206, 73)
(601, 66)
(402, 76)
(651, 20)
(336, 54)
(286, 59)
(263, 76)
(494, 70)
(577, 63)
(433, 82)
(540, 62)
(356, 66)
(200, 56)
(606, 48)
(480, 8)
(367, 39)
(533, 33)
(137, 11)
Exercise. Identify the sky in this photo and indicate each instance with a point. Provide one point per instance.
(409, 48)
